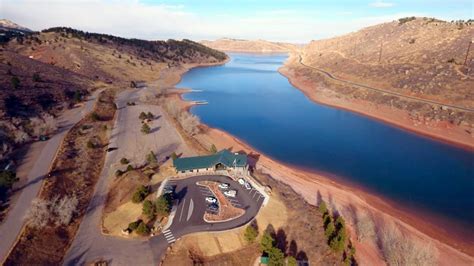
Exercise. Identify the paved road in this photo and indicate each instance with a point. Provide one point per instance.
(192, 206)
(90, 244)
(31, 172)
(329, 75)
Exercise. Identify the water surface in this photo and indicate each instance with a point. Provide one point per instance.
(251, 100)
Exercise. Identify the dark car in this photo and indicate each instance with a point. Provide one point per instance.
(43, 138)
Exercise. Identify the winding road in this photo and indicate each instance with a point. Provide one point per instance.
(31, 172)
(329, 75)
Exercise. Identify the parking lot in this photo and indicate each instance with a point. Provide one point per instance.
(191, 205)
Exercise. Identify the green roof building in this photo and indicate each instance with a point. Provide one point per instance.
(223, 160)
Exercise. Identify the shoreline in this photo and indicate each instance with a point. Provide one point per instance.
(444, 133)
(309, 183)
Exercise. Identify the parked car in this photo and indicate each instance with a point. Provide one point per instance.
(211, 199)
(248, 186)
(168, 189)
(241, 181)
(230, 193)
(43, 138)
(224, 185)
(213, 207)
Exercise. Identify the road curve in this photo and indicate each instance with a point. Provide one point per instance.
(40, 163)
(329, 75)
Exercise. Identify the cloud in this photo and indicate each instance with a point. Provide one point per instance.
(381, 4)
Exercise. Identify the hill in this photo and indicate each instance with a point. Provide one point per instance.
(415, 72)
(41, 73)
(253, 46)
(6, 24)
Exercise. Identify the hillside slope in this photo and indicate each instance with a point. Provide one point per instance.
(417, 67)
(253, 46)
(41, 73)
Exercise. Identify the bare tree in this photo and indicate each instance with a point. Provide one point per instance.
(400, 250)
(189, 123)
(64, 209)
(38, 214)
(172, 109)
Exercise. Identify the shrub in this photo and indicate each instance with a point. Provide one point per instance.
(143, 229)
(250, 234)
(163, 205)
(38, 214)
(129, 168)
(213, 148)
(140, 194)
(124, 161)
(15, 82)
(146, 129)
(365, 228)
(58, 211)
(189, 123)
(149, 209)
(64, 209)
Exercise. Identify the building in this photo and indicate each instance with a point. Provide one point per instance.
(222, 162)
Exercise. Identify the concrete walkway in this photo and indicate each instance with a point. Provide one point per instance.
(32, 170)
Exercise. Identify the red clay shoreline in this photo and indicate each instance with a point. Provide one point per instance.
(378, 202)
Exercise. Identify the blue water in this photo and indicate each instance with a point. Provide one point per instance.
(251, 100)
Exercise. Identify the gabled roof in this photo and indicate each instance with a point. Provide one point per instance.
(224, 157)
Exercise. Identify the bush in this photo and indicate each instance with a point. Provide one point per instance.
(129, 168)
(58, 211)
(124, 161)
(163, 205)
(146, 129)
(292, 261)
(143, 229)
(365, 228)
(140, 194)
(250, 234)
(15, 82)
(149, 209)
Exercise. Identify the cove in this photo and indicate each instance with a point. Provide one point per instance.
(248, 98)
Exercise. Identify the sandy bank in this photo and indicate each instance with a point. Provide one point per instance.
(443, 130)
(347, 200)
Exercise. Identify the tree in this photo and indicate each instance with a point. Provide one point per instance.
(95, 116)
(118, 173)
(267, 242)
(134, 225)
(338, 242)
(276, 257)
(15, 82)
(323, 209)
(146, 129)
(213, 148)
(124, 161)
(149, 115)
(329, 231)
(291, 261)
(250, 234)
(143, 229)
(129, 168)
(163, 205)
(340, 223)
(140, 194)
(149, 209)
(174, 156)
(36, 77)
(365, 228)
(151, 158)
(38, 214)
(77, 97)
(7, 179)
(142, 116)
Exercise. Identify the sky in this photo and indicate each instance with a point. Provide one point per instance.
(297, 21)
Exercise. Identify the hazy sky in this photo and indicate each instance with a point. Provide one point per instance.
(294, 21)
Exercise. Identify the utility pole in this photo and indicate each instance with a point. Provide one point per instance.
(467, 53)
(380, 53)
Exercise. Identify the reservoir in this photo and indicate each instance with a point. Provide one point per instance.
(248, 98)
